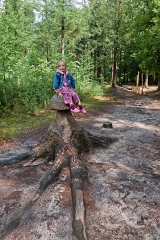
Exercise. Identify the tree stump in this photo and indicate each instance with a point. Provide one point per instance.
(107, 125)
(63, 143)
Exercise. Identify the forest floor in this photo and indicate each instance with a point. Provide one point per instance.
(123, 196)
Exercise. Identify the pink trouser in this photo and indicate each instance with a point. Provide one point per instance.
(69, 95)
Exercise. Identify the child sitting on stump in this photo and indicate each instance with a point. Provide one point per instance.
(64, 85)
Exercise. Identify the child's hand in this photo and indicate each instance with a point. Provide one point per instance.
(60, 94)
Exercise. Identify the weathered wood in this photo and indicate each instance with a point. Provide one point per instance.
(57, 103)
(63, 144)
(79, 210)
(15, 159)
(64, 124)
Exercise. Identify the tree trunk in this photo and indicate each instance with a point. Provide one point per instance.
(146, 80)
(142, 82)
(158, 83)
(113, 77)
(137, 80)
(62, 37)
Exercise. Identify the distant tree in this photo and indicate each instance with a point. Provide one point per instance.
(144, 34)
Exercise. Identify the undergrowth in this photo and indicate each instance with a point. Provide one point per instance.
(15, 124)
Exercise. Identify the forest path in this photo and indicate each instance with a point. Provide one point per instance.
(123, 199)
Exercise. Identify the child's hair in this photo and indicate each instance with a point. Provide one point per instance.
(62, 61)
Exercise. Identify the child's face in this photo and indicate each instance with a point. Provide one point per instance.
(62, 67)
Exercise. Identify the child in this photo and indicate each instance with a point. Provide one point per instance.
(64, 84)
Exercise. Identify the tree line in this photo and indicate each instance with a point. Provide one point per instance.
(103, 42)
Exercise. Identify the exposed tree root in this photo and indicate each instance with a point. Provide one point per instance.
(15, 159)
(63, 143)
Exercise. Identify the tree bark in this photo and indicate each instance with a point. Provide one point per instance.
(113, 76)
(146, 80)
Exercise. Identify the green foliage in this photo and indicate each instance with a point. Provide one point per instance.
(95, 36)
(143, 34)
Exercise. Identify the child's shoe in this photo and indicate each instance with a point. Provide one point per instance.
(82, 110)
(74, 109)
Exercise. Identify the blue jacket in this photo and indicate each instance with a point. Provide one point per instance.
(59, 79)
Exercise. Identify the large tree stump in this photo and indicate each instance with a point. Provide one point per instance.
(63, 144)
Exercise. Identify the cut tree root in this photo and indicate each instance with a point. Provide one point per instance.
(15, 159)
(63, 143)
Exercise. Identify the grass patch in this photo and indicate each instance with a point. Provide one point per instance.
(12, 126)
(93, 102)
